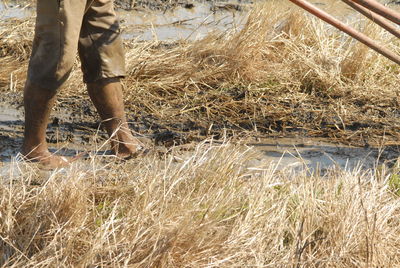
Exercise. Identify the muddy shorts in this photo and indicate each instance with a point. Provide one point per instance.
(64, 27)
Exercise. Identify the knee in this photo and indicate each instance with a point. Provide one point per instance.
(32, 90)
(49, 71)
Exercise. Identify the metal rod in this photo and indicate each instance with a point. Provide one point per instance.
(350, 31)
(380, 9)
(374, 17)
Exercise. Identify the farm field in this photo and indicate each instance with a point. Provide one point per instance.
(274, 143)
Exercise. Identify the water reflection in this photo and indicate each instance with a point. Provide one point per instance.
(13, 10)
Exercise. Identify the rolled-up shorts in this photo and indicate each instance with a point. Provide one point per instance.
(64, 27)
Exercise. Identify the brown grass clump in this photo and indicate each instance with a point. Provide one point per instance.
(207, 210)
(283, 71)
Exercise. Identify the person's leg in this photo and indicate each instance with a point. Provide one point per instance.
(106, 95)
(38, 103)
(53, 55)
(103, 64)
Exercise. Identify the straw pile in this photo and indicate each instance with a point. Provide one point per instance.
(207, 211)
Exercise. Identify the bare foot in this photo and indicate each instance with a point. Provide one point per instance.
(47, 160)
(127, 148)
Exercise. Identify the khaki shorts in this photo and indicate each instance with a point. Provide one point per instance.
(64, 27)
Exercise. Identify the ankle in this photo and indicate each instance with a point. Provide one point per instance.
(35, 151)
(121, 148)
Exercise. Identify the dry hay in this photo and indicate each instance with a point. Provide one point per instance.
(207, 211)
(284, 72)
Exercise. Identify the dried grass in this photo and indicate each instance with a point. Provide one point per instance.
(209, 210)
(283, 71)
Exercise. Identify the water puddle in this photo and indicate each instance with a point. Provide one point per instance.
(70, 136)
(190, 21)
(318, 154)
(11, 123)
(14, 11)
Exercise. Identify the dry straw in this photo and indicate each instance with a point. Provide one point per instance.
(208, 210)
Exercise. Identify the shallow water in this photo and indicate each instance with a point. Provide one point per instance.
(316, 154)
(9, 11)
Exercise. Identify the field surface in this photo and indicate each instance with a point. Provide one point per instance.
(274, 137)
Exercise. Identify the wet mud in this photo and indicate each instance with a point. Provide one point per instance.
(74, 127)
(181, 23)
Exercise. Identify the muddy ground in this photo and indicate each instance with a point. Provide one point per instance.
(74, 126)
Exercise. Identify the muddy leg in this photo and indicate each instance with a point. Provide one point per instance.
(38, 103)
(107, 98)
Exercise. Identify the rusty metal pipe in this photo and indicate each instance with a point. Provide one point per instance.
(380, 9)
(347, 29)
(374, 17)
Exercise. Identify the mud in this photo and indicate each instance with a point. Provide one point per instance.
(316, 154)
(74, 127)
(67, 128)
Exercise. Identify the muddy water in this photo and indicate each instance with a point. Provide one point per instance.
(70, 131)
(191, 22)
(318, 154)
(10, 129)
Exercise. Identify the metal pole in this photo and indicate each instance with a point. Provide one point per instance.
(375, 18)
(350, 31)
(380, 9)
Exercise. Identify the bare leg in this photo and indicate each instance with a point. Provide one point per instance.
(38, 103)
(107, 98)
